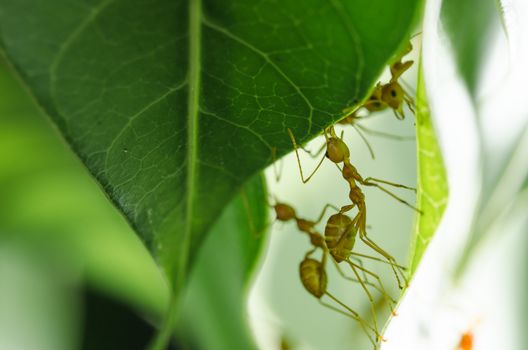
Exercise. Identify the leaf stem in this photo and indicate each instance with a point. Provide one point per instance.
(163, 337)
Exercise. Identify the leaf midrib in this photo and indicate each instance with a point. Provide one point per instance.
(195, 14)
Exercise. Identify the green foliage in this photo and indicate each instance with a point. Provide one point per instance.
(50, 202)
(470, 24)
(173, 105)
(503, 171)
(52, 206)
(432, 181)
(217, 288)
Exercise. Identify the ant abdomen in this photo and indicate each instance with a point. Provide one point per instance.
(313, 277)
(340, 236)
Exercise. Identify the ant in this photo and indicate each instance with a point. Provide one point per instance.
(391, 94)
(311, 267)
(338, 152)
(285, 212)
(314, 279)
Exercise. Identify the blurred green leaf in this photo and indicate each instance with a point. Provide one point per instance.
(214, 315)
(173, 105)
(432, 182)
(469, 24)
(47, 200)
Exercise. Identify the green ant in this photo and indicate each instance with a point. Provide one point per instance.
(338, 152)
(390, 95)
(312, 272)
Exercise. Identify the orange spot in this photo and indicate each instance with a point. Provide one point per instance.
(466, 341)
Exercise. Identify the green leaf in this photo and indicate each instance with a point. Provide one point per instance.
(218, 285)
(431, 180)
(173, 105)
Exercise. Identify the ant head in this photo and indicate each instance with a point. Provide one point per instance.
(284, 212)
(392, 95)
(337, 150)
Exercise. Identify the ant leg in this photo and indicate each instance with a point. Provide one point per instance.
(384, 134)
(367, 183)
(354, 315)
(310, 252)
(380, 288)
(364, 326)
(408, 87)
(369, 296)
(365, 278)
(371, 151)
(377, 259)
(410, 103)
(363, 236)
(299, 160)
(324, 211)
(276, 172)
(316, 154)
(342, 273)
(389, 183)
(390, 301)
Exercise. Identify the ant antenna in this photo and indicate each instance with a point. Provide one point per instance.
(276, 171)
(371, 151)
(299, 160)
(384, 134)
